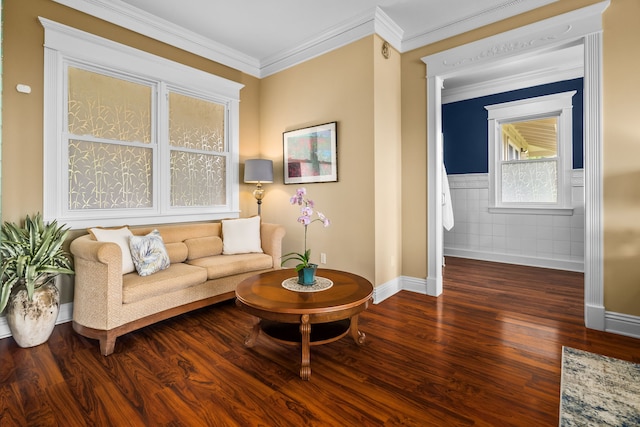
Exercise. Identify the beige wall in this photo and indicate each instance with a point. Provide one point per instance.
(387, 163)
(621, 157)
(337, 86)
(360, 89)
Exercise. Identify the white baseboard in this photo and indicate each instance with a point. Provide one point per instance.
(530, 261)
(595, 317)
(414, 284)
(64, 315)
(402, 283)
(622, 324)
(386, 290)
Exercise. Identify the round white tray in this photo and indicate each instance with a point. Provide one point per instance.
(320, 284)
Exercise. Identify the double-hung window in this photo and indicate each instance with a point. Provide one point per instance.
(132, 138)
(530, 153)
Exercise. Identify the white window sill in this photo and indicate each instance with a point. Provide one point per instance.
(532, 210)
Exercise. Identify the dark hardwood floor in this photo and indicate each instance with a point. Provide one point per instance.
(486, 353)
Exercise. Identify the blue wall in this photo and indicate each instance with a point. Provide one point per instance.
(464, 124)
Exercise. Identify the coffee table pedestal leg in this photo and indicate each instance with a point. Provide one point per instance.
(305, 331)
(358, 337)
(253, 335)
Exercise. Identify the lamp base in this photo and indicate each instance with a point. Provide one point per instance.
(258, 193)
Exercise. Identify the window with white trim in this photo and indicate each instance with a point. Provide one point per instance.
(132, 138)
(530, 154)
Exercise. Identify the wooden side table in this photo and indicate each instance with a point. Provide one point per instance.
(304, 318)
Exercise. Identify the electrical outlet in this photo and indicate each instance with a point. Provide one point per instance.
(323, 258)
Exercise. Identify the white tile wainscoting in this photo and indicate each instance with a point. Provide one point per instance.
(542, 240)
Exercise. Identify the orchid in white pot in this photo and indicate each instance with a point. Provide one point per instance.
(306, 219)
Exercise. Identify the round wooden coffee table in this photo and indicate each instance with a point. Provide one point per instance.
(306, 318)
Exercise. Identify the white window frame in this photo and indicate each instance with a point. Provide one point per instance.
(66, 46)
(558, 104)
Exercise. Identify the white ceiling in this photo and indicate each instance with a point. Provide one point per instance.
(264, 28)
(261, 37)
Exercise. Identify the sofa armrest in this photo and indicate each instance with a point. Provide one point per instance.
(94, 251)
(271, 236)
(97, 299)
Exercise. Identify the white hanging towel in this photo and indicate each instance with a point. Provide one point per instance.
(447, 207)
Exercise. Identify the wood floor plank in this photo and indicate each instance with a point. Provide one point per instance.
(487, 352)
(11, 410)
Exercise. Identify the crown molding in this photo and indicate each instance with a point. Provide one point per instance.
(377, 22)
(388, 30)
(136, 20)
(335, 37)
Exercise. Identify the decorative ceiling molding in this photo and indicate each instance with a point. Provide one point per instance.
(136, 20)
(386, 28)
(334, 38)
(505, 48)
(530, 38)
(377, 22)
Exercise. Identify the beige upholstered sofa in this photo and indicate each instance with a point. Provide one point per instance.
(108, 303)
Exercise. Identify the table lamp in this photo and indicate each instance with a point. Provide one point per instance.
(257, 171)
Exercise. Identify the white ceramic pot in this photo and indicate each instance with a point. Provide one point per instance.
(32, 322)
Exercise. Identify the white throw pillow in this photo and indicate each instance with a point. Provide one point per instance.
(120, 236)
(241, 236)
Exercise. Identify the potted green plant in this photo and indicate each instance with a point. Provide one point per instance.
(32, 257)
(306, 270)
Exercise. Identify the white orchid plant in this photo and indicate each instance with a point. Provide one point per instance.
(306, 219)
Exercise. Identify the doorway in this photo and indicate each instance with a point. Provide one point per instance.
(582, 26)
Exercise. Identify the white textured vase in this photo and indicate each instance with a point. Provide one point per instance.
(32, 322)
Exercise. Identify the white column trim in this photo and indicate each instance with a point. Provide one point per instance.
(434, 191)
(594, 311)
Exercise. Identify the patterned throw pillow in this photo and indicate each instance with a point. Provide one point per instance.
(148, 253)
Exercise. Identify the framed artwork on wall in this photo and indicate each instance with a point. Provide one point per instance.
(310, 154)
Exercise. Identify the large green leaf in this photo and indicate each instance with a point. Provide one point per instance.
(32, 255)
(294, 256)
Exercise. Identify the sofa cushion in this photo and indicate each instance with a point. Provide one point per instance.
(177, 251)
(177, 276)
(241, 236)
(203, 246)
(149, 254)
(228, 265)
(173, 233)
(121, 237)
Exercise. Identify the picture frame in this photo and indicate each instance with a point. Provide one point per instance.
(310, 154)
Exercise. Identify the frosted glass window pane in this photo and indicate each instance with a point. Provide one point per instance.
(197, 179)
(530, 182)
(108, 107)
(195, 123)
(109, 176)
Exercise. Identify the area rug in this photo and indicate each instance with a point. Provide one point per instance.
(598, 390)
